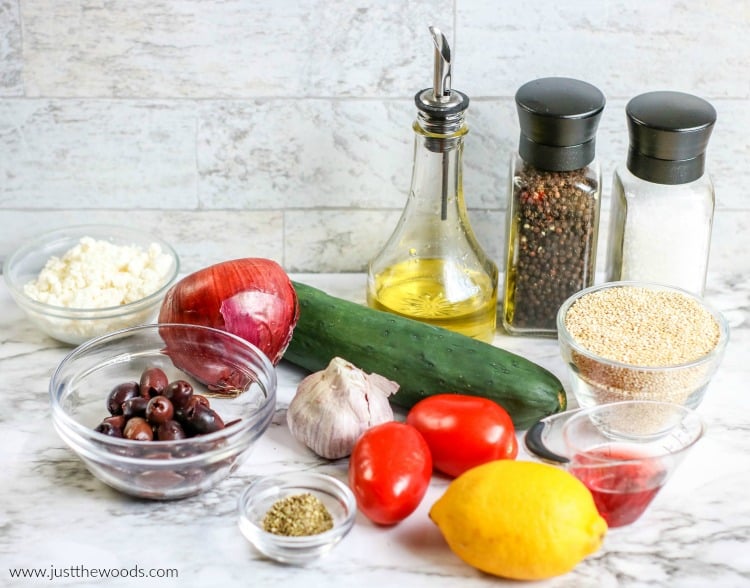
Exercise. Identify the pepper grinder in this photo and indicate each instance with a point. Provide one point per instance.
(432, 267)
(554, 198)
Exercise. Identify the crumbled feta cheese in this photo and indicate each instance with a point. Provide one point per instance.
(100, 274)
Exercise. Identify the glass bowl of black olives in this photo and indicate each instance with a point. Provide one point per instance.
(163, 411)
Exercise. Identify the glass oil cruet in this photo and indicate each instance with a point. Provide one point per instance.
(432, 268)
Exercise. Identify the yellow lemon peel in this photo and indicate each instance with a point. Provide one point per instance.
(518, 519)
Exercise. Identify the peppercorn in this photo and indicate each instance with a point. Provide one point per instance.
(553, 205)
(556, 219)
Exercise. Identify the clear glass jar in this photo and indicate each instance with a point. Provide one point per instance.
(662, 200)
(553, 204)
(432, 268)
(553, 222)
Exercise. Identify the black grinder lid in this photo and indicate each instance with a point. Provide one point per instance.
(669, 133)
(559, 118)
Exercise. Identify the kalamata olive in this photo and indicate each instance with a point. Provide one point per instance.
(159, 410)
(185, 409)
(179, 392)
(116, 421)
(202, 419)
(134, 407)
(170, 431)
(109, 429)
(153, 382)
(120, 394)
(200, 399)
(138, 429)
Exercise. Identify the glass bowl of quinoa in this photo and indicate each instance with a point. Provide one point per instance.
(84, 281)
(640, 341)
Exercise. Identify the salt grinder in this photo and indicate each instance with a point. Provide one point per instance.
(663, 199)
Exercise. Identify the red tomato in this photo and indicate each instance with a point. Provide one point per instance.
(463, 431)
(389, 471)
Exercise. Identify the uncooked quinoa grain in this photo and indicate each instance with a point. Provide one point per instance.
(640, 326)
(645, 329)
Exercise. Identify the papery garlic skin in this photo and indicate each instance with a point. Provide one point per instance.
(333, 407)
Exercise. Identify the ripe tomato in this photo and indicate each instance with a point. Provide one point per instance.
(389, 471)
(463, 431)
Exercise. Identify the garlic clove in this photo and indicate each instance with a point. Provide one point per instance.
(333, 407)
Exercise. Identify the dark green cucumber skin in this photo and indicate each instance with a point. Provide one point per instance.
(423, 359)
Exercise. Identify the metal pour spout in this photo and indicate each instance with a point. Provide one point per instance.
(441, 93)
(441, 84)
(441, 109)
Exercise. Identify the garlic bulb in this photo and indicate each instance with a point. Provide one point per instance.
(333, 407)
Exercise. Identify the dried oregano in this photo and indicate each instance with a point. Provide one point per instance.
(298, 515)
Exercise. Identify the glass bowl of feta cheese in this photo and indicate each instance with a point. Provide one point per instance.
(81, 282)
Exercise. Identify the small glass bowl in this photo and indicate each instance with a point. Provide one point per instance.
(623, 452)
(262, 493)
(76, 325)
(597, 380)
(236, 376)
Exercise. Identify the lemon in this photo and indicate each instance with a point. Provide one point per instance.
(519, 519)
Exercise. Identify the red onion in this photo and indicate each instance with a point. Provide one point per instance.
(252, 298)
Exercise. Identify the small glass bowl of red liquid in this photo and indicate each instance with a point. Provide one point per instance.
(623, 452)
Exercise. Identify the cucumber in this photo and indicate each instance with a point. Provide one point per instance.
(423, 359)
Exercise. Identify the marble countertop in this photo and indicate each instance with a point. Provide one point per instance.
(55, 515)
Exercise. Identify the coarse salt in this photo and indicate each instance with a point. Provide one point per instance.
(660, 233)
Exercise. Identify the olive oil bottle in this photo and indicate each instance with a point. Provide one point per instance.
(432, 267)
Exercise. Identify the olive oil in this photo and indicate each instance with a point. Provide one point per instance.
(439, 292)
(432, 268)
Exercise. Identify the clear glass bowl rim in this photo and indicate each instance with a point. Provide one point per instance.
(96, 231)
(566, 338)
(84, 437)
(315, 480)
(607, 462)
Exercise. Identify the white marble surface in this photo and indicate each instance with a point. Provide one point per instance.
(54, 513)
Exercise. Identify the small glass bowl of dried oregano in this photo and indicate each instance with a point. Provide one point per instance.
(295, 518)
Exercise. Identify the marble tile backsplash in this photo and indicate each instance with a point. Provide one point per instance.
(283, 129)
